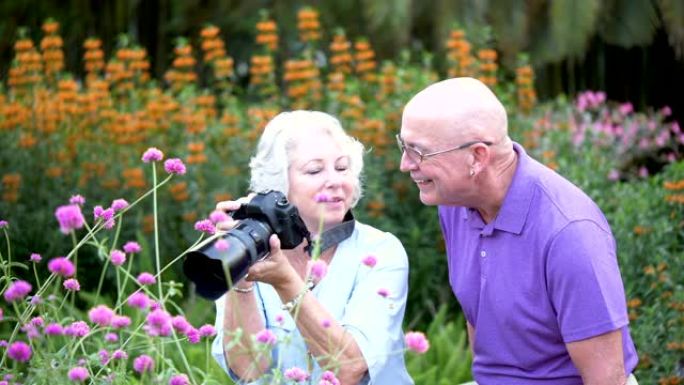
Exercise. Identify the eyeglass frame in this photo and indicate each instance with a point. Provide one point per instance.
(403, 148)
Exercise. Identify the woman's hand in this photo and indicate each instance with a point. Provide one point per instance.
(275, 269)
(229, 207)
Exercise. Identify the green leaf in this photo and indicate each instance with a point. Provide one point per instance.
(572, 24)
(672, 12)
(629, 23)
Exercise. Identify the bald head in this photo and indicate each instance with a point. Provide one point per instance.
(459, 107)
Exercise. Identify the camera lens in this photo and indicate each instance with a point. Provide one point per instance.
(215, 269)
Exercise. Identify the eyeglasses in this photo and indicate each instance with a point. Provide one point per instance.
(417, 156)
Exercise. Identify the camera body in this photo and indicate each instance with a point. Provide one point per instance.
(215, 267)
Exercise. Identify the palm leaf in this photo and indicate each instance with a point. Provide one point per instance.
(629, 23)
(509, 21)
(672, 12)
(572, 24)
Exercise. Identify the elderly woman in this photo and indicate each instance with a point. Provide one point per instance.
(347, 321)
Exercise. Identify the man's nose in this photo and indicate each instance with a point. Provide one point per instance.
(406, 164)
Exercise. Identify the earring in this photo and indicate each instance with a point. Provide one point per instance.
(472, 172)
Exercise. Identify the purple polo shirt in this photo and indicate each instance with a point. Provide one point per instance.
(542, 274)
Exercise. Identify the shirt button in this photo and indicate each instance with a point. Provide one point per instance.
(483, 254)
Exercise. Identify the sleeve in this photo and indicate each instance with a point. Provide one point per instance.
(375, 311)
(217, 345)
(584, 281)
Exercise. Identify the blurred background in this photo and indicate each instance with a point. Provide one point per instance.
(591, 87)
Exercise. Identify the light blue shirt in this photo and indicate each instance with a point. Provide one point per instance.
(349, 291)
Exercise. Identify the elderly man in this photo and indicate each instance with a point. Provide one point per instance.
(531, 258)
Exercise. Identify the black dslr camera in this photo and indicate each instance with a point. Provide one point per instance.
(214, 270)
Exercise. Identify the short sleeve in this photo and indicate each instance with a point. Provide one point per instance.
(584, 281)
(375, 311)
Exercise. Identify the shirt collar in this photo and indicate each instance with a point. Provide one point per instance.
(516, 204)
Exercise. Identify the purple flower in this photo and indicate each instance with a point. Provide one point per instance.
(119, 354)
(322, 198)
(139, 300)
(328, 378)
(296, 374)
(180, 324)
(53, 329)
(111, 337)
(158, 323)
(174, 166)
(121, 321)
(205, 226)
(17, 290)
(3, 224)
(119, 204)
(207, 330)
(266, 337)
(78, 374)
(193, 335)
(280, 319)
(62, 267)
(77, 200)
(19, 351)
(69, 217)
(104, 214)
(132, 247)
(146, 278)
(370, 261)
(36, 300)
(221, 245)
(37, 321)
(143, 363)
(118, 257)
(325, 323)
(104, 356)
(384, 293)
(101, 315)
(179, 379)
(152, 154)
(35, 257)
(72, 284)
(217, 216)
(417, 342)
(77, 329)
(319, 269)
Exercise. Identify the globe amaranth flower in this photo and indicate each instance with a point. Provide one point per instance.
(72, 284)
(132, 247)
(146, 278)
(77, 329)
(104, 356)
(205, 226)
(3, 224)
(158, 323)
(62, 267)
(296, 374)
(221, 244)
(319, 269)
(118, 257)
(101, 315)
(152, 154)
(180, 324)
(111, 337)
(119, 204)
(53, 329)
(322, 198)
(384, 293)
(328, 378)
(143, 363)
(218, 216)
(77, 200)
(19, 351)
(416, 341)
(193, 335)
(78, 374)
(119, 355)
(179, 379)
(69, 217)
(121, 321)
(35, 257)
(370, 261)
(266, 337)
(207, 330)
(17, 290)
(174, 166)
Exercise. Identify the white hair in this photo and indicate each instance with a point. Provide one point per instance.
(269, 167)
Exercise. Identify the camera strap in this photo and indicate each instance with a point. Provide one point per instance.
(337, 234)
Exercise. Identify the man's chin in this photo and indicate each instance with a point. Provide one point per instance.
(428, 199)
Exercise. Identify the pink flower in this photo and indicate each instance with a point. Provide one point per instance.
(370, 261)
(77, 200)
(119, 354)
(19, 351)
(280, 319)
(266, 337)
(132, 247)
(319, 269)
(72, 284)
(62, 267)
(69, 217)
(121, 321)
(180, 324)
(53, 329)
(158, 323)
(417, 342)
(325, 323)
(384, 293)
(146, 278)
(328, 378)
(174, 166)
(104, 356)
(217, 216)
(101, 315)
(17, 290)
(77, 329)
(143, 363)
(111, 337)
(3, 224)
(104, 214)
(221, 245)
(78, 374)
(207, 330)
(118, 257)
(193, 335)
(119, 204)
(35, 257)
(296, 374)
(205, 226)
(613, 175)
(139, 300)
(179, 379)
(152, 154)
(322, 198)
